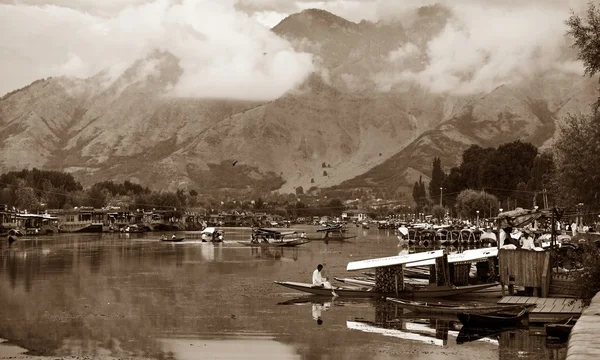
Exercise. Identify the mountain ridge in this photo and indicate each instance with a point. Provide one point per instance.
(336, 129)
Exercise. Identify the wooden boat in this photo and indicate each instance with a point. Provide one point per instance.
(441, 308)
(492, 319)
(371, 282)
(416, 292)
(286, 243)
(179, 239)
(561, 329)
(211, 234)
(332, 233)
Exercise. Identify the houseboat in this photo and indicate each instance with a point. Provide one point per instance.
(82, 219)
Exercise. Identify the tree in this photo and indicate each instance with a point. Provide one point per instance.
(324, 173)
(259, 204)
(468, 202)
(577, 178)
(323, 165)
(438, 212)
(586, 33)
(437, 180)
(193, 193)
(299, 191)
(419, 193)
(25, 198)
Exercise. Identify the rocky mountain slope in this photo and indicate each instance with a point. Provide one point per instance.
(332, 129)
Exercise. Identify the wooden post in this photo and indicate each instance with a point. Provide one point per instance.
(396, 283)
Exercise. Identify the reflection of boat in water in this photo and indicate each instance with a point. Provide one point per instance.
(417, 333)
(469, 334)
(452, 309)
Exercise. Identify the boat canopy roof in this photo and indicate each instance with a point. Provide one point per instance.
(521, 217)
(209, 230)
(393, 260)
(467, 255)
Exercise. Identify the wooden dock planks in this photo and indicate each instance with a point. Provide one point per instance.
(546, 309)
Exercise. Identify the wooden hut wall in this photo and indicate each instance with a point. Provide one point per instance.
(441, 270)
(386, 278)
(527, 268)
(460, 273)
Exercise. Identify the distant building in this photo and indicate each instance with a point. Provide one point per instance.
(354, 215)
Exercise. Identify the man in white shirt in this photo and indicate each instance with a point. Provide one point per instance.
(527, 241)
(317, 280)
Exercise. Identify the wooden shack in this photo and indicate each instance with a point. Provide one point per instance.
(530, 269)
(389, 271)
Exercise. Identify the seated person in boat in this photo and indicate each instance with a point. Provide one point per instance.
(303, 235)
(526, 240)
(174, 237)
(317, 280)
(163, 237)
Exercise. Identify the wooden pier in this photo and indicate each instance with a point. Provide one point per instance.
(547, 309)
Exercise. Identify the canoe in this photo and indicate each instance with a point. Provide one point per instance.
(290, 243)
(173, 240)
(494, 319)
(418, 292)
(560, 329)
(441, 308)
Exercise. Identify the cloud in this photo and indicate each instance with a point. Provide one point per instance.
(223, 52)
(483, 47)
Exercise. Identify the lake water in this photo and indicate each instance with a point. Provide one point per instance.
(131, 296)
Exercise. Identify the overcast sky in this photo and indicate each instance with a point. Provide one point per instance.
(225, 46)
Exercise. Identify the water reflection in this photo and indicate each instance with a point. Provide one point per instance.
(101, 295)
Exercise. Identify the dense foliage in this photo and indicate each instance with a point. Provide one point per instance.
(587, 281)
(419, 193)
(437, 181)
(585, 32)
(514, 171)
(469, 202)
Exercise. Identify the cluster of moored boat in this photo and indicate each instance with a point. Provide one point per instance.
(419, 273)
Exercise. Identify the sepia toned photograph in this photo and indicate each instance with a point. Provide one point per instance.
(299, 179)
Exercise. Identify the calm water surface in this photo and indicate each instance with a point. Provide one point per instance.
(125, 296)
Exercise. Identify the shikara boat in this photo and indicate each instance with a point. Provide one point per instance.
(416, 292)
(451, 309)
(561, 329)
(371, 281)
(493, 319)
(273, 238)
(286, 243)
(179, 239)
(332, 233)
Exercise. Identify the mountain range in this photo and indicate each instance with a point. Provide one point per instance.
(338, 128)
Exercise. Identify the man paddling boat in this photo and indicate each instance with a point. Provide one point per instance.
(317, 280)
